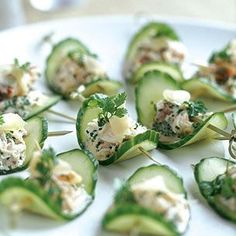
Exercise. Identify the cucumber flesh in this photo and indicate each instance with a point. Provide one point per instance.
(203, 87)
(105, 86)
(37, 130)
(127, 217)
(36, 200)
(205, 172)
(149, 90)
(147, 140)
(166, 68)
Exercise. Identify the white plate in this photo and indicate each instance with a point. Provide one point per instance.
(109, 37)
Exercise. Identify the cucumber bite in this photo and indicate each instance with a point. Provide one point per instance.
(152, 201)
(216, 179)
(105, 129)
(17, 94)
(153, 42)
(217, 80)
(71, 69)
(169, 111)
(18, 140)
(58, 186)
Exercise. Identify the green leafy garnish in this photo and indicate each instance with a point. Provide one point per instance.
(111, 106)
(1, 120)
(194, 108)
(25, 67)
(124, 194)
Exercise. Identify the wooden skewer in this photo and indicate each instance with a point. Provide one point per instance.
(230, 109)
(199, 65)
(148, 155)
(58, 133)
(61, 115)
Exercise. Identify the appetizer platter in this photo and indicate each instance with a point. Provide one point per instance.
(148, 112)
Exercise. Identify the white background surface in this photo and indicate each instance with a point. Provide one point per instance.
(108, 37)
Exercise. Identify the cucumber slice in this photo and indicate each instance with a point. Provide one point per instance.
(37, 200)
(37, 129)
(149, 90)
(28, 111)
(203, 87)
(167, 68)
(59, 51)
(105, 86)
(126, 217)
(205, 172)
(152, 29)
(129, 149)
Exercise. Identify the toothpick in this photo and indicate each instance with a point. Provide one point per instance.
(227, 110)
(199, 65)
(148, 155)
(58, 133)
(219, 131)
(61, 115)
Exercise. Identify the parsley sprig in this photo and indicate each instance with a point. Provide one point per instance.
(111, 106)
(194, 108)
(25, 67)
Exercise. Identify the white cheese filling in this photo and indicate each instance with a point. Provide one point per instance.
(12, 144)
(104, 141)
(154, 195)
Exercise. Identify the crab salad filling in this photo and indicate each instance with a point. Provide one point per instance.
(75, 71)
(176, 116)
(12, 143)
(154, 195)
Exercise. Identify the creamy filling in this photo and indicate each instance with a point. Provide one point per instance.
(72, 193)
(74, 72)
(22, 105)
(172, 117)
(154, 195)
(157, 49)
(15, 81)
(12, 143)
(104, 141)
(230, 202)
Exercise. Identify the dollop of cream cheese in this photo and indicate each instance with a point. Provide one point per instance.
(154, 194)
(176, 96)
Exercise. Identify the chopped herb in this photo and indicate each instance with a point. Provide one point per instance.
(77, 57)
(124, 194)
(25, 67)
(194, 108)
(111, 106)
(1, 120)
(164, 128)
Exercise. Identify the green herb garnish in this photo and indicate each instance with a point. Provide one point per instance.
(1, 120)
(111, 106)
(194, 108)
(124, 194)
(25, 67)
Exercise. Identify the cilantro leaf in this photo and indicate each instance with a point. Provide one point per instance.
(25, 67)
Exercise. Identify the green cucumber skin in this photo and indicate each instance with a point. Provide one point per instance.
(116, 87)
(122, 210)
(33, 188)
(44, 135)
(225, 213)
(149, 77)
(162, 28)
(149, 135)
(79, 46)
(216, 91)
(43, 108)
(184, 141)
(156, 66)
